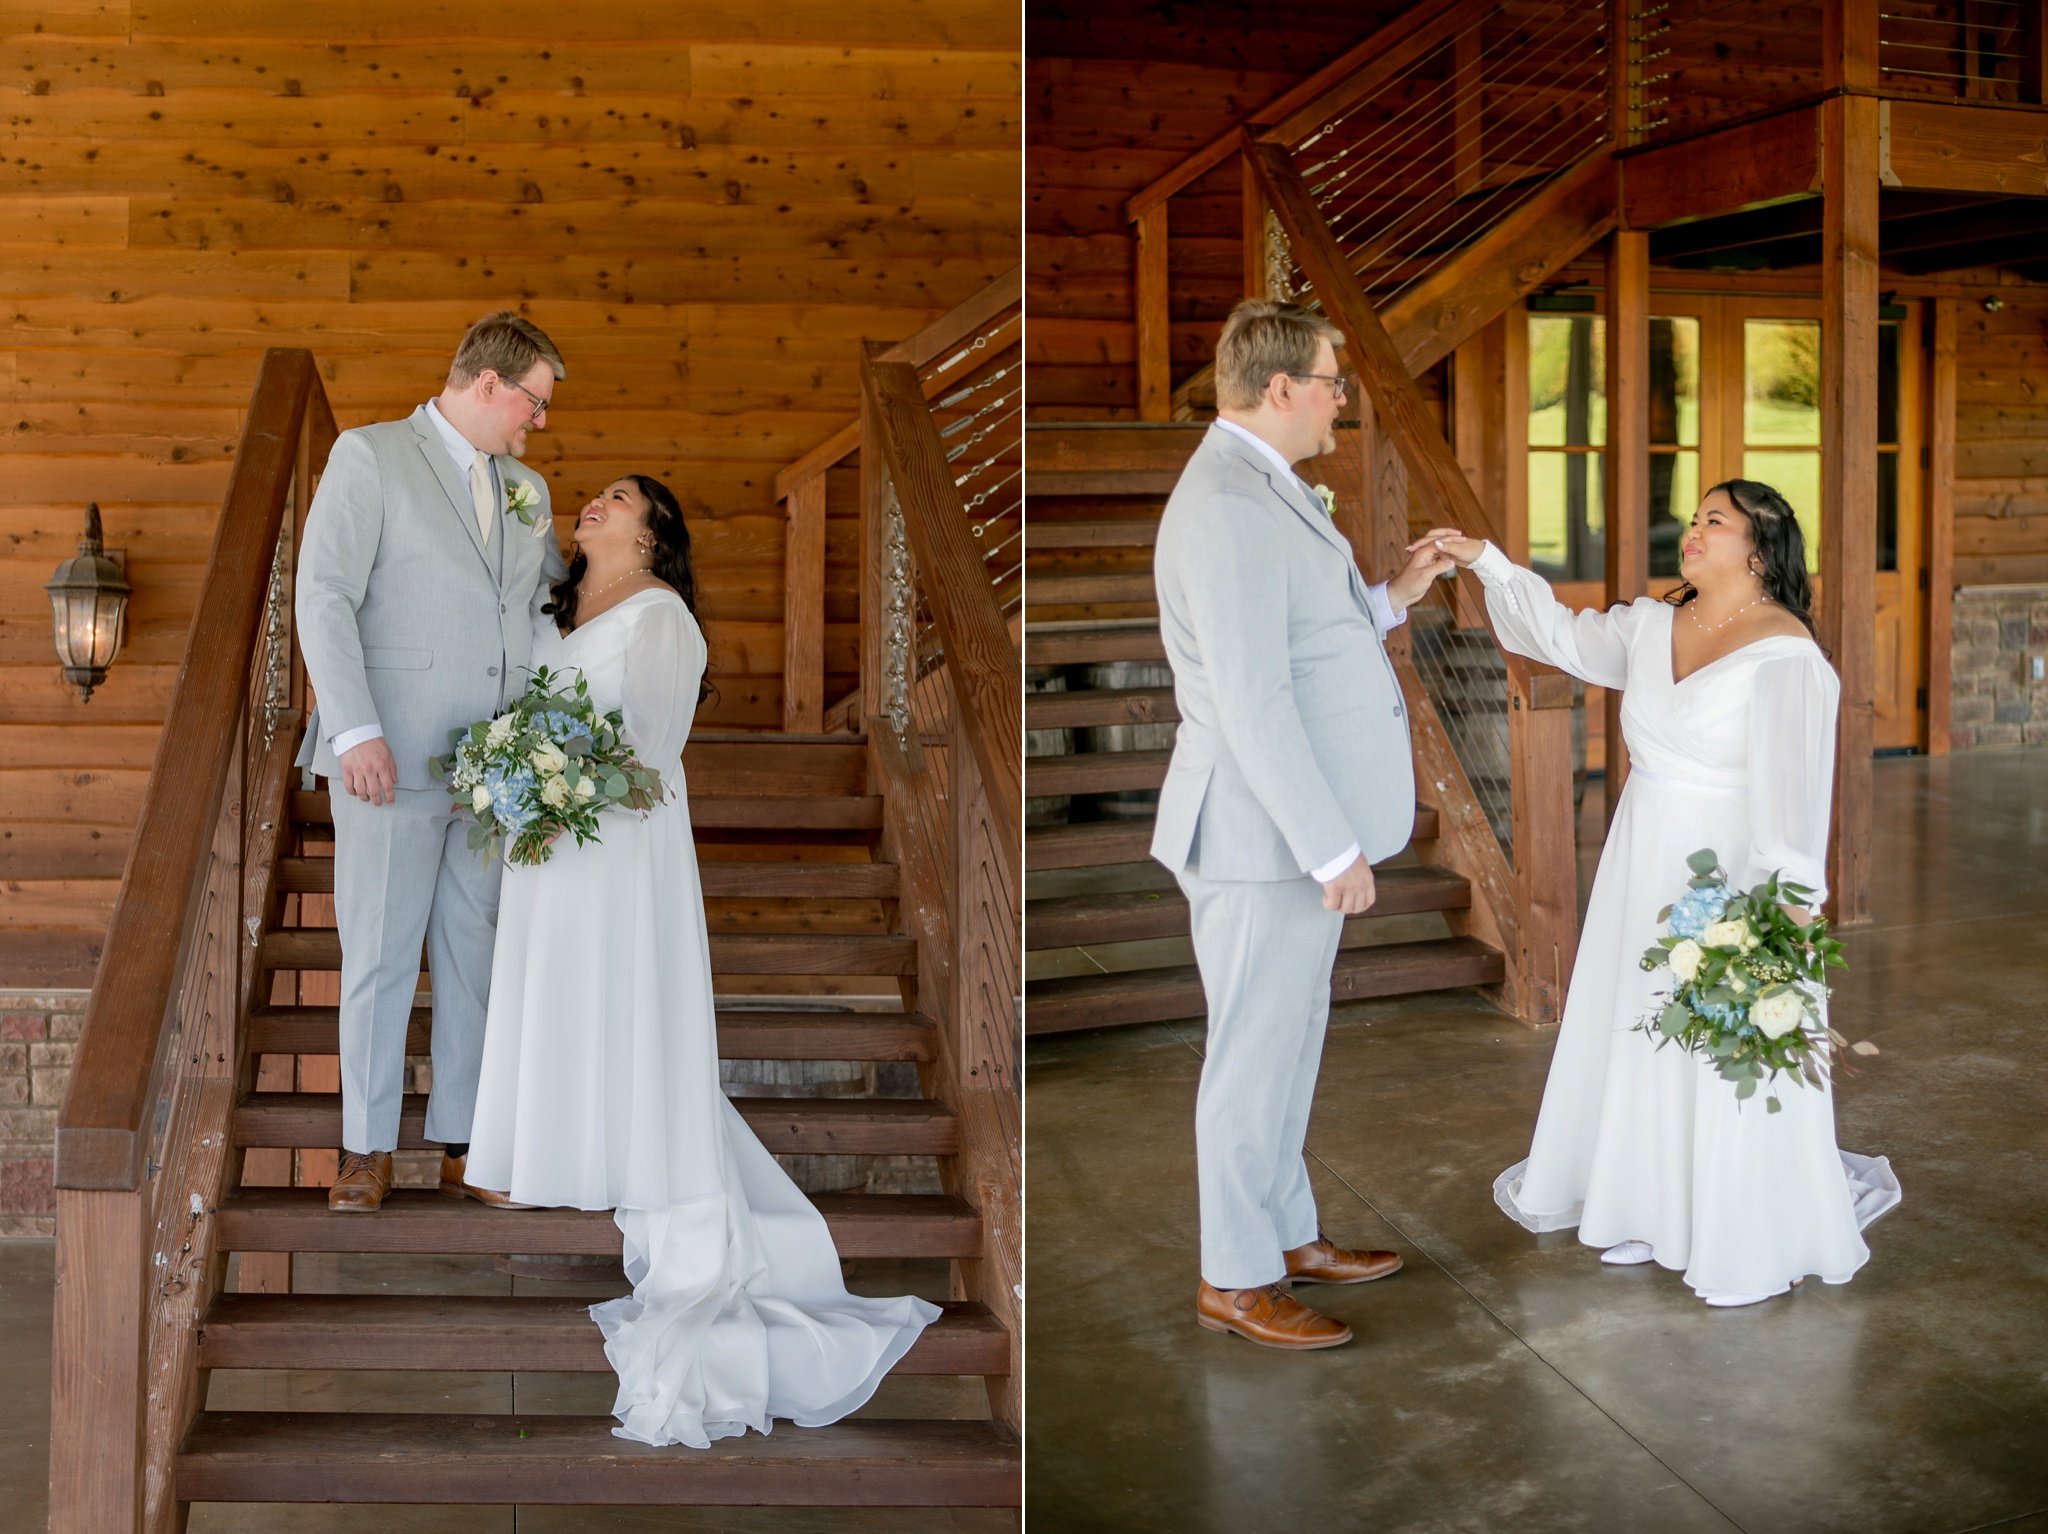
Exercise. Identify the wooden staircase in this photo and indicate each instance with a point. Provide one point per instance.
(1096, 494)
(787, 873)
(863, 962)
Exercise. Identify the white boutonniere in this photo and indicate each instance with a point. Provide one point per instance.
(1328, 497)
(523, 501)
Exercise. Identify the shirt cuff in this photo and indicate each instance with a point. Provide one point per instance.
(348, 740)
(1335, 866)
(1492, 566)
(1383, 607)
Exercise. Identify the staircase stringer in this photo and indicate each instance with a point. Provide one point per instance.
(1537, 951)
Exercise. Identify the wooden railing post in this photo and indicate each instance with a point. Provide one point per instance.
(1628, 456)
(99, 1349)
(1154, 318)
(1940, 540)
(1546, 852)
(874, 583)
(803, 608)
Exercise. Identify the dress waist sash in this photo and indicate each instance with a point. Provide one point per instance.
(1718, 790)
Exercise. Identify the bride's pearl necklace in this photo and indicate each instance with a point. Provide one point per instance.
(607, 586)
(1693, 607)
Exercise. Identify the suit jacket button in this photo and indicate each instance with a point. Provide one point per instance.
(493, 671)
(1397, 711)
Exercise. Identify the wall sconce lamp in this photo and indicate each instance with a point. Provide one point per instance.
(89, 609)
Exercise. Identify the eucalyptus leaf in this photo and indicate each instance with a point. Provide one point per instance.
(1703, 862)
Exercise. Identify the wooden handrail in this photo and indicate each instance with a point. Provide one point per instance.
(987, 668)
(101, 1129)
(1374, 59)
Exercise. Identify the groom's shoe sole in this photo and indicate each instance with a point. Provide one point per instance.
(1285, 1347)
(1362, 1278)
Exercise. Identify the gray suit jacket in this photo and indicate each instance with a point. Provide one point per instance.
(1293, 740)
(407, 619)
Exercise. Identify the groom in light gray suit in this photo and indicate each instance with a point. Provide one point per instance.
(428, 551)
(1290, 777)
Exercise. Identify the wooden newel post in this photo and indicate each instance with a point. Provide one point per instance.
(98, 1355)
(803, 607)
(874, 584)
(1546, 856)
(1154, 319)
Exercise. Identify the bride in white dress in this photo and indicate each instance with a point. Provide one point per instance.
(599, 1086)
(1728, 708)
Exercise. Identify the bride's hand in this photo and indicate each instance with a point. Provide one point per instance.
(1455, 546)
(1426, 561)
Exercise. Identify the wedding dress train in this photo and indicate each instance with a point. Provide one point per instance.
(1638, 1143)
(599, 1090)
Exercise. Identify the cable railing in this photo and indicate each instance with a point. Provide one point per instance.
(143, 1148)
(1976, 50)
(1698, 63)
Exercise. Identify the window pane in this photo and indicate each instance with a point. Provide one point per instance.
(1888, 382)
(1675, 381)
(1781, 383)
(1567, 515)
(1887, 511)
(1567, 380)
(1795, 476)
(1674, 497)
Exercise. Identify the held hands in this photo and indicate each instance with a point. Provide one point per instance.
(1352, 891)
(369, 773)
(1427, 559)
(1450, 545)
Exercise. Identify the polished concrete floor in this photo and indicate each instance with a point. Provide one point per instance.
(1505, 1381)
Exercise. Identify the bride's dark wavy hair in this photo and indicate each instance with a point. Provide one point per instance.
(1779, 544)
(670, 564)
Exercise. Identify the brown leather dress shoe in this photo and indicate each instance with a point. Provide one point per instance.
(363, 1180)
(454, 1171)
(1322, 1261)
(1268, 1315)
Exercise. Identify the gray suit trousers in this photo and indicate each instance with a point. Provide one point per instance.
(1265, 949)
(404, 874)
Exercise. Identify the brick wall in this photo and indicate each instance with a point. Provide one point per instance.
(1997, 630)
(38, 1031)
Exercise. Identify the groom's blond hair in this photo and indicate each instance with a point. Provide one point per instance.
(1264, 336)
(504, 344)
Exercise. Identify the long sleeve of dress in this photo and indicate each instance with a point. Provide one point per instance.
(1791, 771)
(664, 661)
(1529, 620)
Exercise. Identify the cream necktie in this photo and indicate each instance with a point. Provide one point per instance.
(480, 494)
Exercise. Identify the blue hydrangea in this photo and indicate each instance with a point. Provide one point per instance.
(1720, 1013)
(1696, 910)
(510, 796)
(558, 726)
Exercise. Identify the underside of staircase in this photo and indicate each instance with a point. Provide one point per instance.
(828, 1059)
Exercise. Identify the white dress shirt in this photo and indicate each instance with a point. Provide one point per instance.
(1375, 595)
(462, 453)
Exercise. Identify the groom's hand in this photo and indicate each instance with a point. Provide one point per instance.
(369, 773)
(1426, 561)
(1351, 891)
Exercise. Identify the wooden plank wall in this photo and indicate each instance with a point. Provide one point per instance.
(708, 206)
(1119, 92)
(2001, 492)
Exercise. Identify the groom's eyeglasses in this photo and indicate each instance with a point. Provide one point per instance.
(1340, 383)
(540, 406)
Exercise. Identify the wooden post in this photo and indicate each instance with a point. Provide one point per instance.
(1155, 337)
(1848, 59)
(98, 1354)
(1848, 474)
(1628, 456)
(1938, 548)
(803, 608)
(874, 584)
(1254, 201)
(1546, 850)
(2033, 50)
(1625, 78)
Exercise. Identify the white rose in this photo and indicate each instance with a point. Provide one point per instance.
(586, 787)
(1729, 934)
(1685, 960)
(547, 757)
(501, 728)
(555, 793)
(1776, 1016)
(481, 799)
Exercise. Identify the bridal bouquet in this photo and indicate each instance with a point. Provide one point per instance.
(549, 764)
(1749, 981)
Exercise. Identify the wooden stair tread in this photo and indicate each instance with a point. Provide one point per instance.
(1096, 772)
(1093, 644)
(1156, 995)
(1109, 533)
(774, 953)
(1078, 920)
(774, 812)
(425, 1220)
(1099, 843)
(1099, 706)
(404, 1457)
(791, 1126)
(496, 1333)
(742, 1034)
(1049, 590)
(732, 877)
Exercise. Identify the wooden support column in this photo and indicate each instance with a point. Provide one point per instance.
(1939, 544)
(874, 580)
(1155, 346)
(1625, 78)
(1628, 456)
(803, 608)
(1848, 59)
(2032, 42)
(1256, 283)
(1848, 473)
(98, 1354)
